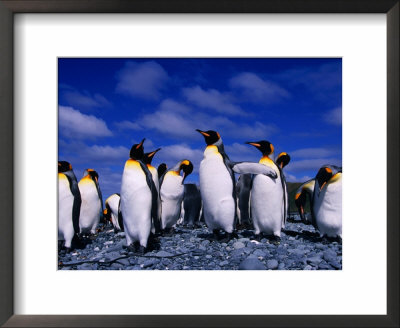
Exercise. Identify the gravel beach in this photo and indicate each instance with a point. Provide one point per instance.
(300, 248)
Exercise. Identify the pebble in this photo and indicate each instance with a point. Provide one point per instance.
(163, 254)
(272, 264)
(238, 245)
(251, 264)
(149, 263)
(195, 251)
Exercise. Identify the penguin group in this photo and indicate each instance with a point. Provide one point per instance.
(152, 201)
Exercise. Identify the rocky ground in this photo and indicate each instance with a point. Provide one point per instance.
(300, 248)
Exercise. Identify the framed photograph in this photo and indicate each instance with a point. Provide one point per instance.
(86, 83)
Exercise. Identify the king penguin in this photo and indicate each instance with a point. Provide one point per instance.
(69, 204)
(300, 199)
(172, 191)
(156, 217)
(112, 210)
(191, 209)
(327, 201)
(217, 184)
(267, 198)
(243, 188)
(136, 198)
(281, 161)
(92, 202)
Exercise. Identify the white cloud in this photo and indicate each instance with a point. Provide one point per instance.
(334, 116)
(213, 99)
(144, 80)
(172, 154)
(79, 152)
(72, 123)
(84, 99)
(292, 178)
(314, 153)
(107, 153)
(180, 121)
(313, 164)
(128, 125)
(241, 152)
(256, 89)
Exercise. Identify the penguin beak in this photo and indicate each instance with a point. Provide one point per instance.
(141, 143)
(322, 186)
(184, 177)
(154, 152)
(257, 145)
(203, 133)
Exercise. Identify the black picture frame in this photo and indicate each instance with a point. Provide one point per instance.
(10, 7)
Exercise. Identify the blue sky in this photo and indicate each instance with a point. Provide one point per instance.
(106, 105)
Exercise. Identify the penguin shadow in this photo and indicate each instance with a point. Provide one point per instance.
(221, 236)
(247, 233)
(312, 236)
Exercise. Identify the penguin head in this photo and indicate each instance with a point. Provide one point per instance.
(161, 169)
(211, 137)
(92, 174)
(187, 168)
(325, 174)
(282, 160)
(265, 147)
(64, 166)
(148, 157)
(137, 152)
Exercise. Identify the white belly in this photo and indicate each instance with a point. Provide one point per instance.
(65, 204)
(90, 208)
(216, 187)
(135, 205)
(267, 205)
(171, 193)
(113, 202)
(328, 209)
(154, 174)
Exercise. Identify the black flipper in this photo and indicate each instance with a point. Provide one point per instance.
(154, 196)
(284, 188)
(76, 207)
(120, 219)
(100, 196)
(161, 178)
(228, 165)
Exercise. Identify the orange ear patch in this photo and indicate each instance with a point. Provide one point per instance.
(185, 162)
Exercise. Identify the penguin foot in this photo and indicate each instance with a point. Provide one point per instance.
(228, 237)
(258, 236)
(275, 240)
(130, 248)
(142, 250)
(168, 232)
(216, 234)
